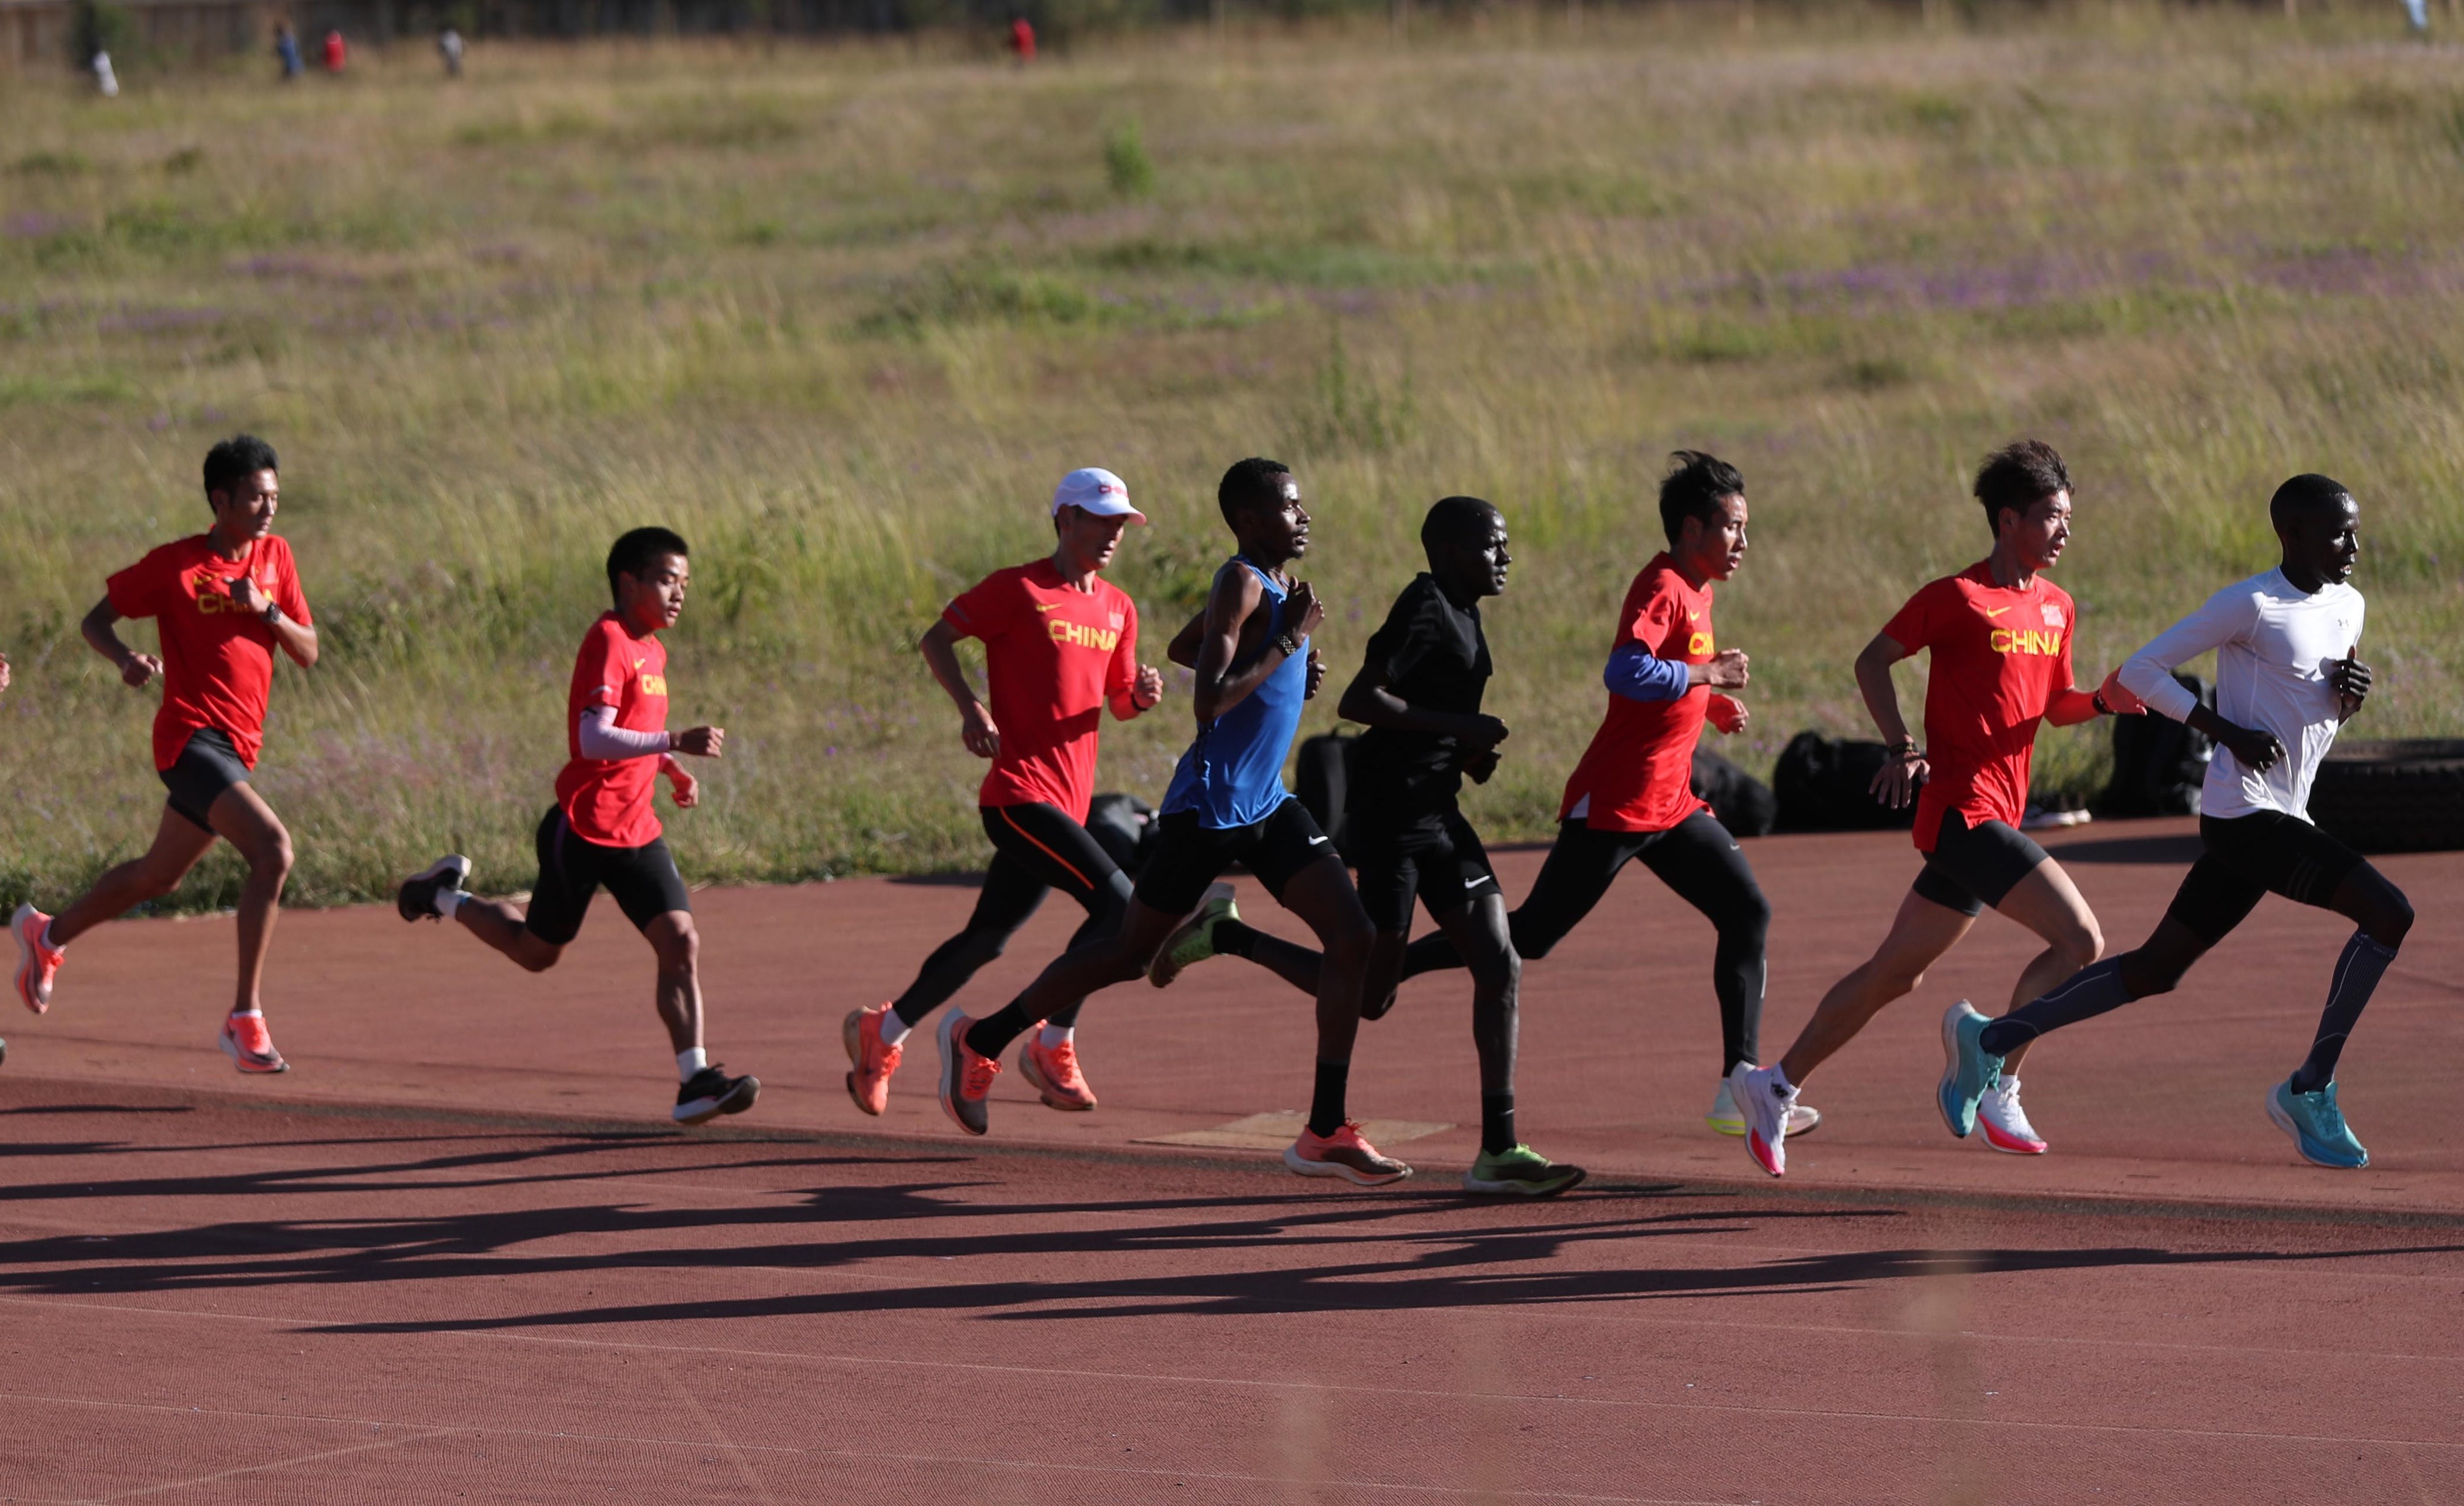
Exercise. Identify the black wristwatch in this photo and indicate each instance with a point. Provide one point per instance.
(1291, 645)
(2095, 698)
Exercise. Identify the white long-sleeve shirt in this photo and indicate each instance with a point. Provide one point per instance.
(2275, 645)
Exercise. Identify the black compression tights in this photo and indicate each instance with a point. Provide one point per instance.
(1698, 859)
(1035, 848)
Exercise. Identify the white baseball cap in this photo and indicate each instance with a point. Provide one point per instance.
(1096, 491)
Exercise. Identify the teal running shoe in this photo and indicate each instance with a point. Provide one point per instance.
(2317, 1126)
(1520, 1172)
(1193, 940)
(1967, 1074)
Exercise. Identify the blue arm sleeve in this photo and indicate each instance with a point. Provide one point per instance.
(1637, 676)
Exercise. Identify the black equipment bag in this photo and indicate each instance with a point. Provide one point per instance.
(1124, 826)
(1744, 804)
(1825, 784)
(2158, 762)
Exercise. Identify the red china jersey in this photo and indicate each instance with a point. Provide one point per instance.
(2000, 653)
(1637, 775)
(1053, 655)
(217, 661)
(608, 800)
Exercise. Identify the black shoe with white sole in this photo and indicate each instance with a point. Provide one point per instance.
(711, 1092)
(416, 900)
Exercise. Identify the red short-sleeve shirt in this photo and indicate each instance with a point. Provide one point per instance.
(608, 800)
(217, 661)
(2000, 653)
(1053, 655)
(1637, 775)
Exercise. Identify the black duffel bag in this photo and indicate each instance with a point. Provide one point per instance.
(1826, 784)
(2158, 762)
(1124, 826)
(1744, 804)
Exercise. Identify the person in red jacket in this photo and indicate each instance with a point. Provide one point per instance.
(337, 53)
(224, 599)
(1022, 40)
(602, 832)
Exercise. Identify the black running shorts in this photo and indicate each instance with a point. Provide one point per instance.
(2264, 853)
(1438, 859)
(642, 879)
(204, 768)
(1189, 856)
(1975, 866)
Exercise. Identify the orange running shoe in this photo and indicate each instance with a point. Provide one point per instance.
(1343, 1154)
(869, 1084)
(244, 1040)
(966, 1075)
(1055, 1073)
(37, 961)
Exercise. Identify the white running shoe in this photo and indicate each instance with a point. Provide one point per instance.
(2005, 1123)
(1765, 1106)
(1725, 1120)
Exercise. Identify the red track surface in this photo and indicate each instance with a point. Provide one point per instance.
(396, 1275)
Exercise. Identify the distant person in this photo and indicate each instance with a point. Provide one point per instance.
(1022, 40)
(2287, 681)
(449, 46)
(286, 48)
(337, 53)
(604, 833)
(223, 600)
(105, 80)
(2419, 12)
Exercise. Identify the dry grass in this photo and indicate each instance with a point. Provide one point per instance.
(842, 316)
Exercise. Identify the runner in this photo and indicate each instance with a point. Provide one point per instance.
(603, 831)
(223, 600)
(1632, 795)
(1061, 643)
(2286, 682)
(2001, 638)
(1226, 804)
(1418, 692)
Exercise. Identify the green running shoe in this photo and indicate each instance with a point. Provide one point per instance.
(2317, 1126)
(1194, 941)
(1521, 1172)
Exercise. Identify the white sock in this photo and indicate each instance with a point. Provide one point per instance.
(248, 1014)
(689, 1062)
(893, 1030)
(1779, 1078)
(1053, 1035)
(448, 901)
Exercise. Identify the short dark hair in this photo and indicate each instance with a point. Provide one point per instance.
(2303, 493)
(2018, 477)
(239, 456)
(640, 549)
(1695, 486)
(1250, 484)
(1452, 519)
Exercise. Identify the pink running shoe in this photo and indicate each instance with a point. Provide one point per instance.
(1343, 1154)
(966, 1075)
(245, 1041)
(37, 962)
(869, 1084)
(1055, 1075)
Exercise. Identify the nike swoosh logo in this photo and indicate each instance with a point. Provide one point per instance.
(1048, 606)
(1693, 616)
(1995, 611)
(1475, 883)
(1317, 841)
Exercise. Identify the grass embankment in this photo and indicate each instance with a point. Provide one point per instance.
(843, 315)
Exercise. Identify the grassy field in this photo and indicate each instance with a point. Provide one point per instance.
(843, 315)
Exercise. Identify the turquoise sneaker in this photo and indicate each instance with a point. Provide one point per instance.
(1967, 1074)
(1520, 1172)
(2317, 1126)
(1193, 940)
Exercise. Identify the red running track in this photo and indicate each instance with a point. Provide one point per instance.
(457, 1253)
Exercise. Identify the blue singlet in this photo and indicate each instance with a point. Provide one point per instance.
(1233, 774)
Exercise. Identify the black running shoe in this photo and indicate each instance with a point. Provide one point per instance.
(416, 900)
(711, 1092)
